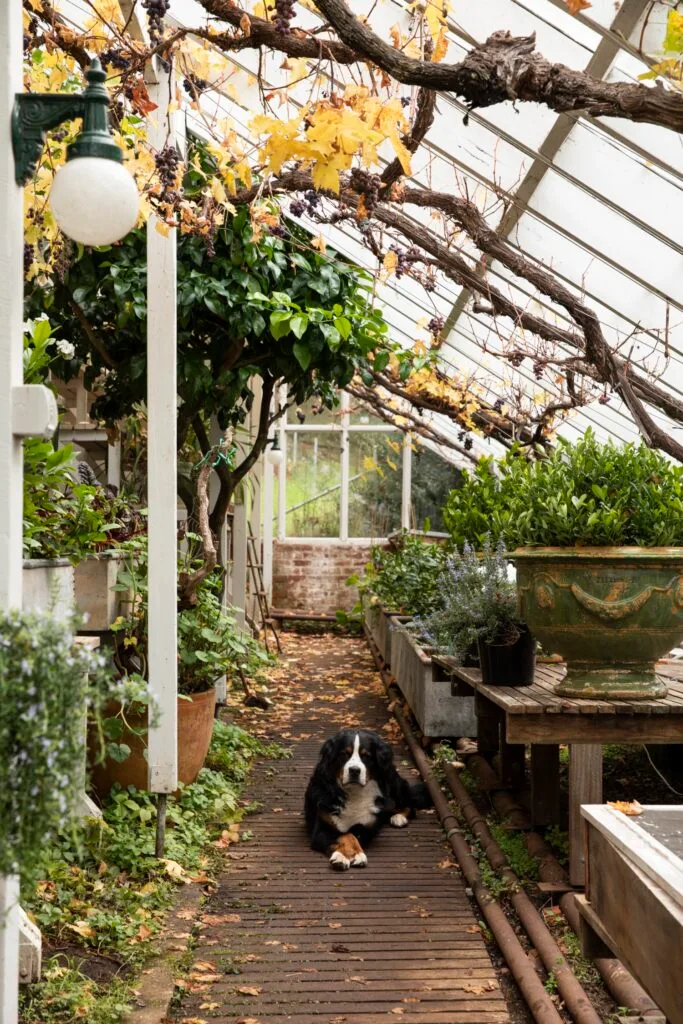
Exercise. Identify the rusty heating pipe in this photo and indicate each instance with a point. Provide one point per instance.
(539, 1002)
(576, 999)
(626, 991)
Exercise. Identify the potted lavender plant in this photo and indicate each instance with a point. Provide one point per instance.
(479, 609)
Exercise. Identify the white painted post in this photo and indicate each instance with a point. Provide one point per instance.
(216, 436)
(114, 464)
(162, 476)
(406, 482)
(24, 410)
(239, 556)
(267, 527)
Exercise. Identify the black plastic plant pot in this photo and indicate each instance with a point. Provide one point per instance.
(509, 664)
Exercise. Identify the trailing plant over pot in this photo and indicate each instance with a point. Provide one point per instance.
(46, 683)
(479, 610)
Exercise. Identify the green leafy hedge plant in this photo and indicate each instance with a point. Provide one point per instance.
(582, 494)
(46, 681)
(403, 578)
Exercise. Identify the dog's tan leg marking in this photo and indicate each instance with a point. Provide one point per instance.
(347, 853)
(401, 818)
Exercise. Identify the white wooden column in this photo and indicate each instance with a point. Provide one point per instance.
(216, 436)
(162, 474)
(11, 305)
(25, 410)
(239, 556)
(267, 528)
(406, 482)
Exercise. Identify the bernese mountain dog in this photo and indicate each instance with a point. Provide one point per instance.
(354, 790)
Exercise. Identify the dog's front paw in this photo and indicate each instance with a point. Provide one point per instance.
(359, 861)
(339, 862)
(399, 820)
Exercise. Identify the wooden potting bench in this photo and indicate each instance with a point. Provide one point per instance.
(509, 718)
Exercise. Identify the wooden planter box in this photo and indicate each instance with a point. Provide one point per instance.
(94, 579)
(378, 624)
(426, 690)
(48, 586)
(634, 897)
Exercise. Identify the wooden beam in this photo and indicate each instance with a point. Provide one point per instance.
(585, 787)
(545, 784)
(559, 728)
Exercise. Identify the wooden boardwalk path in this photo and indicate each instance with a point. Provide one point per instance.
(292, 940)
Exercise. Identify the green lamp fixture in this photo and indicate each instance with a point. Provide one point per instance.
(94, 199)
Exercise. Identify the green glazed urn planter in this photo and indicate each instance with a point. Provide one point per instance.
(611, 613)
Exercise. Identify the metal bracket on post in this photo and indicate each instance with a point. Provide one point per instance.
(34, 411)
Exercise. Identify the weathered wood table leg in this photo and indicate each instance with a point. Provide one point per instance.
(585, 787)
(488, 725)
(512, 762)
(545, 784)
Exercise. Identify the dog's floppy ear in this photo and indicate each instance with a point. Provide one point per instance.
(327, 750)
(384, 754)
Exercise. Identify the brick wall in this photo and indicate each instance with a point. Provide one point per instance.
(311, 577)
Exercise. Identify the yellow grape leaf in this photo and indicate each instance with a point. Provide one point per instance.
(630, 808)
(250, 990)
(390, 262)
(673, 40)
(441, 47)
(575, 6)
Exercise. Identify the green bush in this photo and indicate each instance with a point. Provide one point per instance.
(583, 494)
(404, 579)
(45, 683)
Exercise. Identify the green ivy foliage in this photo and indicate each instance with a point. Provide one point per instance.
(584, 494)
(45, 682)
(272, 306)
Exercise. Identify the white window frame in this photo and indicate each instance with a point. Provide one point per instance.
(345, 429)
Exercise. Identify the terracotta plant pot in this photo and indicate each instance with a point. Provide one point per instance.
(610, 612)
(195, 726)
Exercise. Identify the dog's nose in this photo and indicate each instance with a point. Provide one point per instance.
(354, 772)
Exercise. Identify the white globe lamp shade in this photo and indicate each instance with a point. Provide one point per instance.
(275, 457)
(95, 201)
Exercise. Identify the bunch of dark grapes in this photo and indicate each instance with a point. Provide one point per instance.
(311, 203)
(116, 59)
(436, 325)
(193, 85)
(284, 12)
(156, 12)
(498, 405)
(405, 102)
(279, 231)
(538, 370)
(297, 207)
(167, 160)
(516, 358)
(467, 444)
(29, 254)
(368, 185)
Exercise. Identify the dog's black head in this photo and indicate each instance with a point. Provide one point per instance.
(355, 756)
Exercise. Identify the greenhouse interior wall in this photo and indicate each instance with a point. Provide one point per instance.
(347, 481)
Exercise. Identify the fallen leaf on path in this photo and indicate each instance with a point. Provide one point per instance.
(250, 990)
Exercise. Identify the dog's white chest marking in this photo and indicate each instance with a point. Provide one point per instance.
(360, 809)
